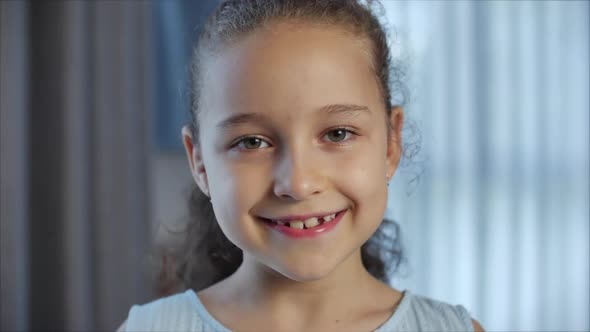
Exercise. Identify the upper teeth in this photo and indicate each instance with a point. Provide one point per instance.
(308, 223)
(330, 217)
(296, 224)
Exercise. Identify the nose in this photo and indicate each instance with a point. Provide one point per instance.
(297, 177)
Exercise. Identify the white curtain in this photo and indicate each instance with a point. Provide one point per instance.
(499, 218)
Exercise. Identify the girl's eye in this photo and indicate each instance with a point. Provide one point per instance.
(251, 143)
(339, 135)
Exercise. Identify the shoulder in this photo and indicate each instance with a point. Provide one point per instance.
(425, 313)
(176, 312)
(476, 326)
(123, 327)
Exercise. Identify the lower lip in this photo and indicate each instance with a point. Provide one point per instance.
(307, 233)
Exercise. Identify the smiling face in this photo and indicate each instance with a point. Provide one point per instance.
(292, 123)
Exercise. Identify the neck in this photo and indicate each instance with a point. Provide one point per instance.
(255, 285)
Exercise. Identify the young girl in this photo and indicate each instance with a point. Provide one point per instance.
(293, 141)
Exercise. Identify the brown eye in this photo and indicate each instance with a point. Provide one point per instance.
(337, 135)
(251, 143)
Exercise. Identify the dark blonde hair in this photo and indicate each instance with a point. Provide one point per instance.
(206, 255)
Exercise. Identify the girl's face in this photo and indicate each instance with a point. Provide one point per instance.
(292, 123)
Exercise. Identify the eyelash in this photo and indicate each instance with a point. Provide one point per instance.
(243, 139)
(347, 130)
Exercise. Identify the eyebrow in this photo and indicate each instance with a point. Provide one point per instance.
(345, 109)
(348, 109)
(240, 118)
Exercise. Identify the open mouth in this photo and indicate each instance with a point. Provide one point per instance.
(307, 223)
(304, 228)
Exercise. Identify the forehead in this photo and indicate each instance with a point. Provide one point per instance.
(289, 70)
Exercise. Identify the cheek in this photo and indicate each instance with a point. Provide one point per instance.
(234, 191)
(364, 173)
(364, 183)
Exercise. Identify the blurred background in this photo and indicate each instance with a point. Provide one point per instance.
(93, 95)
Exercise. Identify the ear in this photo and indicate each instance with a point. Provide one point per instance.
(195, 159)
(394, 143)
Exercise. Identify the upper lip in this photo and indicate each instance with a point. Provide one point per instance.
(303, 217)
